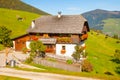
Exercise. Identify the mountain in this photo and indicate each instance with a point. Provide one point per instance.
(19, 5)
(96, 17)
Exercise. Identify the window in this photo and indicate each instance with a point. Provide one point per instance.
(63, 47)
(63, 51)
(49, 48)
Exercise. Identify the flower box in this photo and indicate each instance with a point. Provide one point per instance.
(84, 36)
(63, 51)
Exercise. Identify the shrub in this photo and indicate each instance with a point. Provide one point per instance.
(117, 54)
(69, 61)
(116, 36)
(108, 73)
(87, 66)
(24, 50)
(78, 51)
(117, 42)
(51, 59)
(29, 60)
(36, 47)
(118, 69)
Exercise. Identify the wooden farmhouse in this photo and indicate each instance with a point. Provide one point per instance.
(59, 33)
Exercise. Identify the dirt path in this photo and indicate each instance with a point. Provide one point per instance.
(38, 76)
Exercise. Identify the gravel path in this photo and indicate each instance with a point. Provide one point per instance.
(32, 75)
(38, 76)
(12, 55)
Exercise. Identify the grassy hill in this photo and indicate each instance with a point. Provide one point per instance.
(100, 53)
(112, 26)
(19, 5)
(9, 19)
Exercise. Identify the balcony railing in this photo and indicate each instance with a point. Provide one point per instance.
(48, 40)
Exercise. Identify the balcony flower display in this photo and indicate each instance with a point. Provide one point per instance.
(63, 51)
(34, 38)
(64, 40)
(84, 36)
(49, 50)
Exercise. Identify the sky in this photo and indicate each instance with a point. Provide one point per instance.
(70, 7)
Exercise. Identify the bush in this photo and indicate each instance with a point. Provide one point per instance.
(117, 42)
(69, 61)
(24, 50)
(118, 69)
(29, 60)
(36, 47)
(78, 51)
(116, 36)
(87, 66)
(51, 59)
(108, 73)
(117, 54)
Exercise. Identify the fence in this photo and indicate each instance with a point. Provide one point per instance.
(55, 64)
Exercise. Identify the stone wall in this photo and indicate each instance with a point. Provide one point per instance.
(59, 65)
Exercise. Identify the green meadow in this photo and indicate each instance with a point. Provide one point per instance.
(101, 51)
(112, 26)
(9, 19)
(10, 78)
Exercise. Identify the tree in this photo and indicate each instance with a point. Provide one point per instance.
(36, 46)
(5, 37)
(77, 53)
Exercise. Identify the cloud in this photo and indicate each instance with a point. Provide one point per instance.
(73, 9)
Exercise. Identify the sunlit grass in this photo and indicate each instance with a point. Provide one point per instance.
(10, 78)
(9, 19)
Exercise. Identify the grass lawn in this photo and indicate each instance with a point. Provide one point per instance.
(9, 19)
(10, 78)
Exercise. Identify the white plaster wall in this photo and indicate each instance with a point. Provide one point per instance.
(69, 49)
(28, 44)
(13, 44)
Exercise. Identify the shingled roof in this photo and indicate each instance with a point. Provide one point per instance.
(64, 24)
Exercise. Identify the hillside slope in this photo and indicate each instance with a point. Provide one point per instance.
(19, 5)
(111, 26)
(96, 17)
(10, 19)
(100, 53)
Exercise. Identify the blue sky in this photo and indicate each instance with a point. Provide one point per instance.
(70, 7)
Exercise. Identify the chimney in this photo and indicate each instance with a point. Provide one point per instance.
(59, 14)
(33, 24)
